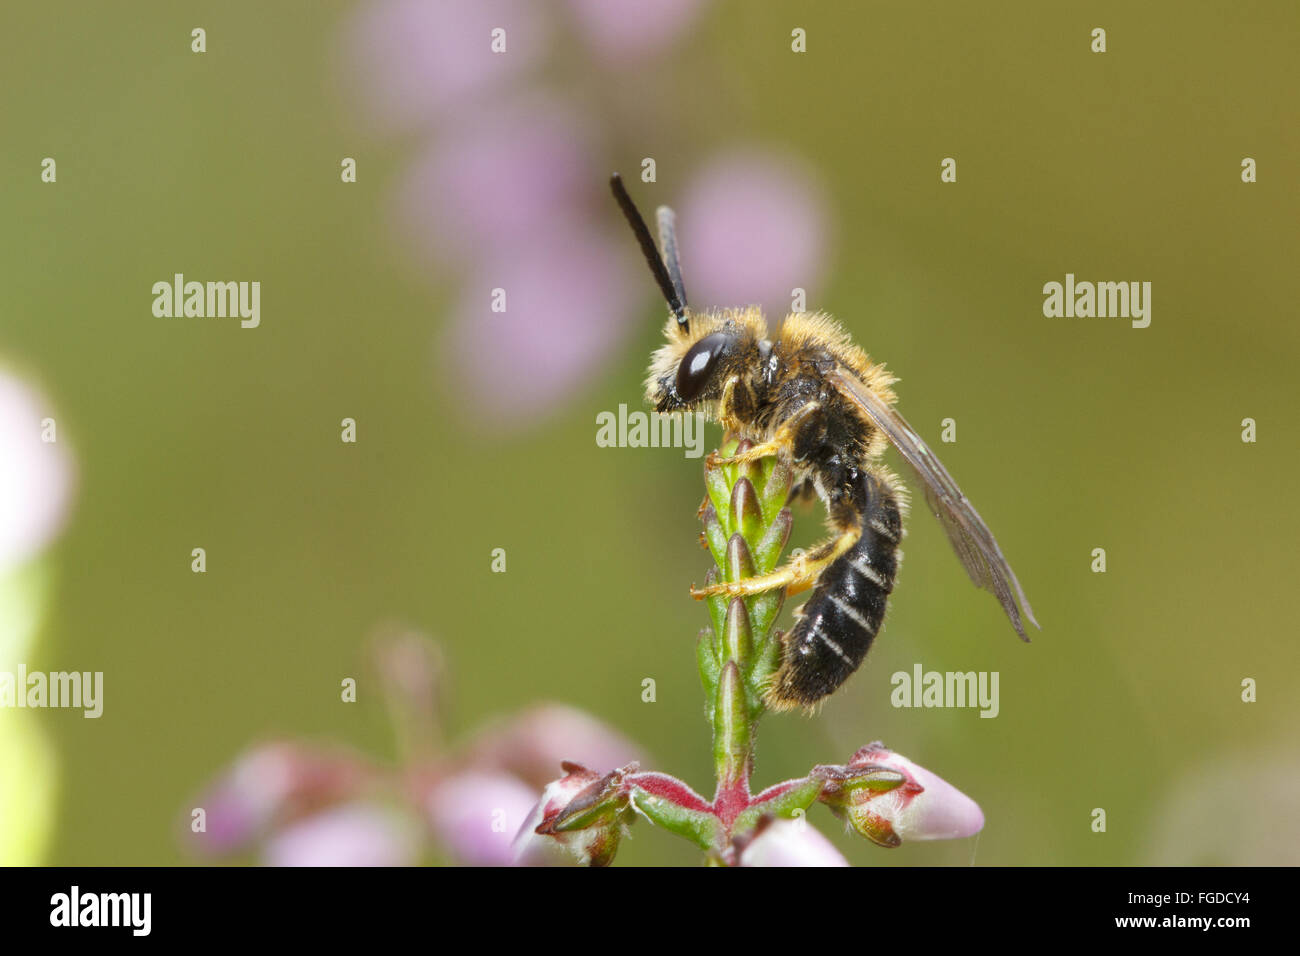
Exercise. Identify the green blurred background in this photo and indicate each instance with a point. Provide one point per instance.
(1073, 433)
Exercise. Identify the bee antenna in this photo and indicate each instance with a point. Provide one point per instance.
(670, 283)
(668, 243)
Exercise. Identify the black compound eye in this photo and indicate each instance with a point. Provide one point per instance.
(698, 364)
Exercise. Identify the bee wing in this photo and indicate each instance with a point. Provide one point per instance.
(970, 536)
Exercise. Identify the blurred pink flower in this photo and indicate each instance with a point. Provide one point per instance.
(270, 785)
(35, 476)
(752, 228)
(415, 59)
(504, 193)
(791, 843)
(504, 179)
(476, 816)
(569, 304)
(618, 30)
(360, 834)
(312, 804)
(533, 743)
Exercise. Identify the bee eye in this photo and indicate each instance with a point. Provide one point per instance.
(698, 364)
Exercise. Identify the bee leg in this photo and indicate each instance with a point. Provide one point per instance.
(735, 407)
(783, 441)
(797, 574)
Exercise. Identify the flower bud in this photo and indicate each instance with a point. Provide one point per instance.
(888, 799)
(583, 813)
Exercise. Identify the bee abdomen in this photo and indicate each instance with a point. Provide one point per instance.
(847, 607)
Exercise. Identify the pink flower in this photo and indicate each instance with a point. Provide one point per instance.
(288, 797)
(533, 743)
(350, 835)
(580, 818)
(568, 305)
(270, 785)
(889, 799)
(751, 229)
(502, 179)
(36, 476)
(476, 816)
(791, 843)
(414, 60)
(621, 29)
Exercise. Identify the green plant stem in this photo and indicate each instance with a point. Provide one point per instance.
(746, 527)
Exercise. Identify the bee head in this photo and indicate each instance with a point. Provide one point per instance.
(703, 349)
(692, 367)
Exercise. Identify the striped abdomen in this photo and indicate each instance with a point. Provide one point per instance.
(836, 626)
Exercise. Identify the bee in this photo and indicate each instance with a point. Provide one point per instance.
(818, 402)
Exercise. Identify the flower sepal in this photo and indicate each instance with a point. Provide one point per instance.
(888, 799)
(583, 812)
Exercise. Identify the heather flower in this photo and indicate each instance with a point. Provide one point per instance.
(888, 799)
(622, 30)
(503, 183)
(476, 815)
(583, 813)
(296, 803)
(479, 805)
(273, 785)
(567, 311)
(884, 796)
(753, 230)
(791, 843)
(361, 834)
(416, 60)
(532, 744)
